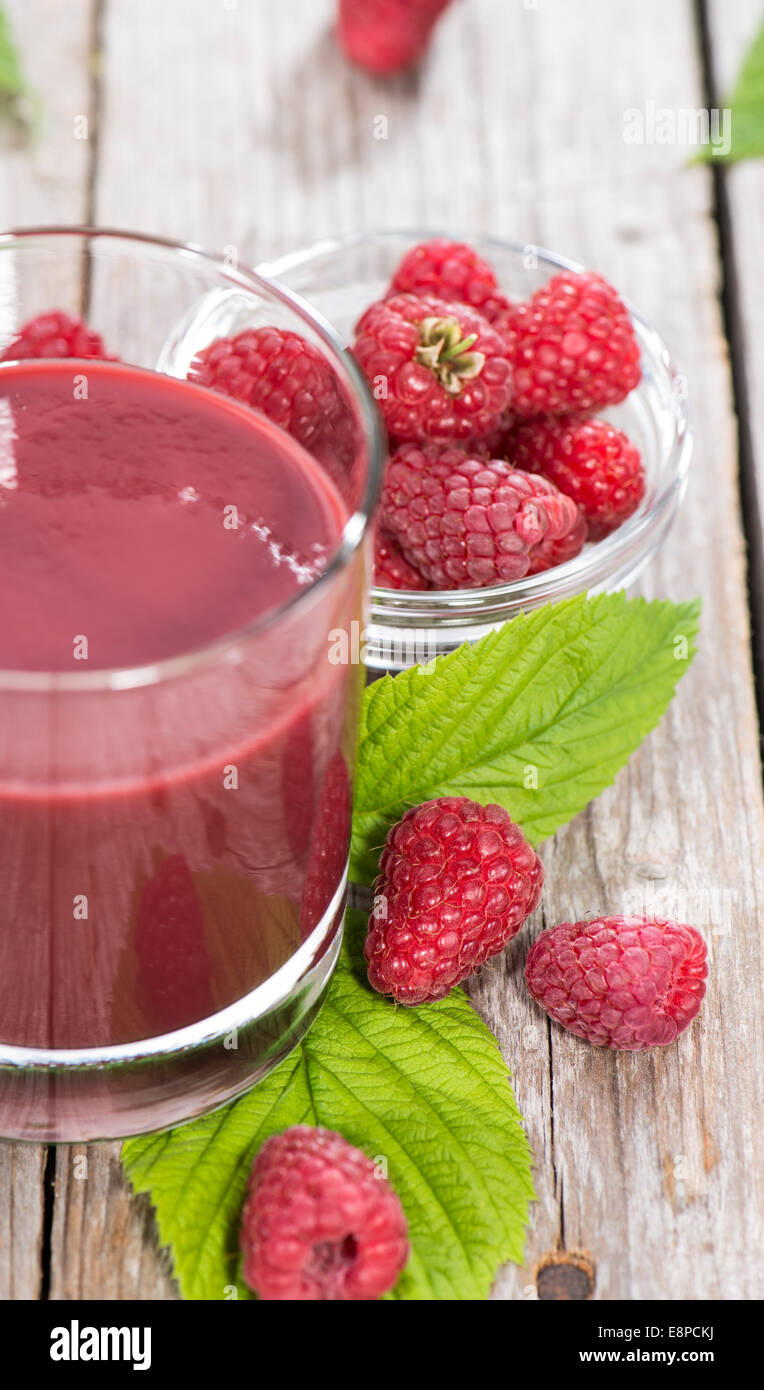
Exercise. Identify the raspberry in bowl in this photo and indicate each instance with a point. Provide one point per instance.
(569, 489)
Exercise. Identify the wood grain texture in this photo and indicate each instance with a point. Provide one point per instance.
(42, 181)
(645, 1162)
(22, 1171)
(45, 179)
(731, 28)
(103, 1242)
(240, 125)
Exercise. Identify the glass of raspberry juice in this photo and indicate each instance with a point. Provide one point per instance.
(178, 554)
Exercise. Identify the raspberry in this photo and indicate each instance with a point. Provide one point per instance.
(588, 460)
(457, 881)
(277, 372)
(453, 271)
(55, 334)
(320, 1222)
(173, 963)
(391, 568)
(438, 370)
(502, 319)
(555, 550)
(466, 521)
(572, 347)
(328, 844)
(628, 983)
(385, 36)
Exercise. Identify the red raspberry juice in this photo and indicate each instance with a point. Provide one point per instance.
(168, 834)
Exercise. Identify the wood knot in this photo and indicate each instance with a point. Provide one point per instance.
(564, 1277)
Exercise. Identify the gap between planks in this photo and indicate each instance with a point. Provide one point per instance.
(732, 254)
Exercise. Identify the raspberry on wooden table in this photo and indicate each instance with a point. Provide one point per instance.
(319, 1222)
(385, 36)
(457, 881)
(572, 347)
(628, 983)
(437, 370)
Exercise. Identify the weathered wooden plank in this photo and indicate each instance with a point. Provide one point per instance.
(240, 125)
(42, 182)
(46, 179)
(103, 1241)
(731, 29)
(22, 1172)
(647, 1160)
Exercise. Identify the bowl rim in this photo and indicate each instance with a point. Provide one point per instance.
(591, 568)
(220, 648)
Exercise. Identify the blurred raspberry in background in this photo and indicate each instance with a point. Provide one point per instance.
(385, 36)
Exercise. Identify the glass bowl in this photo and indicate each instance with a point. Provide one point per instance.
(340, 278)
(170, 906)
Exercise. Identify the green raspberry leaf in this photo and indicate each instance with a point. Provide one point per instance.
(538, 716)
(426, 1090)
(746, 108)
(197, 1177)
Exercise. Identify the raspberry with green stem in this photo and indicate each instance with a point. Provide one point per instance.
(437, 370)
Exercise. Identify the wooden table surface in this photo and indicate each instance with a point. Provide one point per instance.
(239, 125)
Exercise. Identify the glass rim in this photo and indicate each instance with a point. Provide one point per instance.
(583, 572)
(243, 278)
